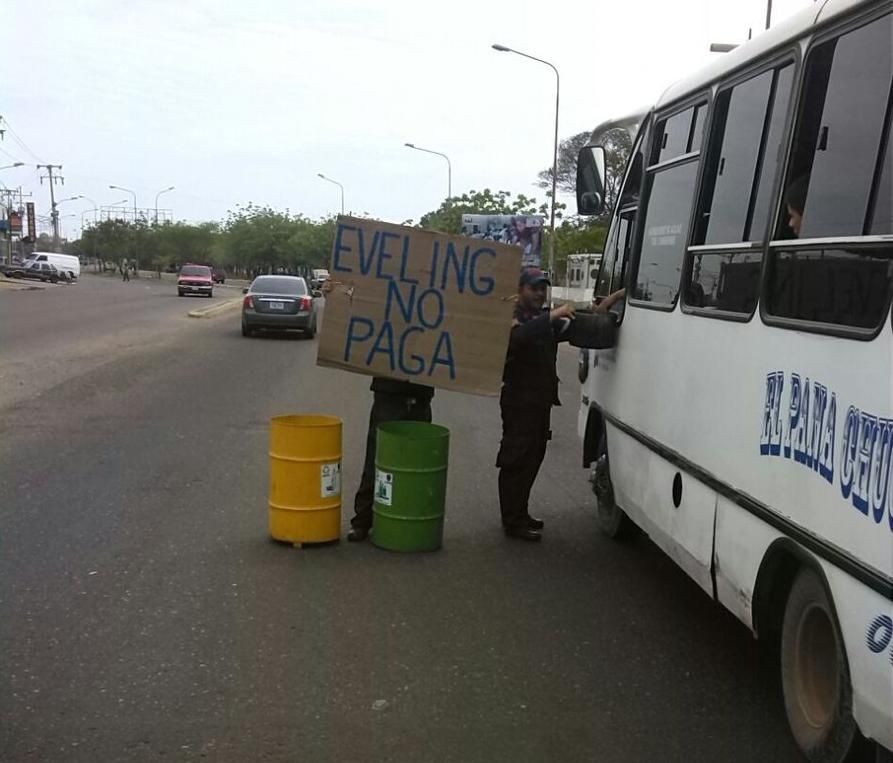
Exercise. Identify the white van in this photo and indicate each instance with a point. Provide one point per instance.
(65, 263)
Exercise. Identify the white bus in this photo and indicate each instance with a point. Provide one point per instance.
(744, 420)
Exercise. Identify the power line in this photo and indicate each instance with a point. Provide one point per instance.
(18, 139)
(6, 153)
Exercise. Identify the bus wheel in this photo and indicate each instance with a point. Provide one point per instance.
(612, 520)
(818, 696)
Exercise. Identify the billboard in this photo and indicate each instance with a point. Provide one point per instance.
(525, 231)
(32, 220)
(419, 306)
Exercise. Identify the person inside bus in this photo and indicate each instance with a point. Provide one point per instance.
(795, 202)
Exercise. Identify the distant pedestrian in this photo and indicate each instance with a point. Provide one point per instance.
(125, 271)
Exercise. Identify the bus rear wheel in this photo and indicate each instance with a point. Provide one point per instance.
(818, 695)
(612, 520)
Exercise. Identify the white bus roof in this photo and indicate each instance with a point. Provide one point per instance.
(760, 46)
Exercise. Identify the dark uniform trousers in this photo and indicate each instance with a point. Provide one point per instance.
(386, 406)
(525, 433)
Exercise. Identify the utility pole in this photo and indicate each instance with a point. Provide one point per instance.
(54, 215)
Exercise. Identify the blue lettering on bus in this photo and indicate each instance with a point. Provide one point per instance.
(807, 434)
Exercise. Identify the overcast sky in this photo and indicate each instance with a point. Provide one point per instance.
(237, 102)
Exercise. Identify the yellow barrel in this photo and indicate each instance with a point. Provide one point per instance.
(305, 478)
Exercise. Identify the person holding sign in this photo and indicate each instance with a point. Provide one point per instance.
(530, 389)
(393, 400)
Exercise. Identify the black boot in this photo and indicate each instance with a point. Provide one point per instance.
(358, 534)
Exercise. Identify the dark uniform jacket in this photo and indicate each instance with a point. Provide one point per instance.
(529, 377)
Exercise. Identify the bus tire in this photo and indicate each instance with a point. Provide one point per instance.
(612, 520)
(815, 677)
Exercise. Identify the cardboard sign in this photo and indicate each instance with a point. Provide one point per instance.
(420, 306)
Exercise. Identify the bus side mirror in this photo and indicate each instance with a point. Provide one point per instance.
(591, 180)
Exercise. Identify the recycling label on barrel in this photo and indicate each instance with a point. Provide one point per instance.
(384, 487)
(330, 480)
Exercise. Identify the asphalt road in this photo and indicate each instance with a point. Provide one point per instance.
(146, 615)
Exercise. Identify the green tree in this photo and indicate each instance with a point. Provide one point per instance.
(311, 242)
(109, 240)
(176, 243)
(257, 239)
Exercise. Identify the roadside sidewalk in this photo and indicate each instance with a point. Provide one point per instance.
(16, 284)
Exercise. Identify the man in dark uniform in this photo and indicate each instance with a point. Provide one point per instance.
(529, 390)
(393, 401)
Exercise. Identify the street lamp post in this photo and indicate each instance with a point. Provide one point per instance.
(504, 49)
(319, 174)
(127, 190)
(87, 198)
(10, 166)
(165, 190)
(63, 217)
(449, 166)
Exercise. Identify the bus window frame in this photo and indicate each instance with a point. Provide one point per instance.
(826, 34)
(639, 141)
(792, 54)
(701, 98)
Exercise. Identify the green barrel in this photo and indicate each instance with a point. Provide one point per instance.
(410, 485)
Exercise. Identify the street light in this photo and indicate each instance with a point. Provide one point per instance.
(449, 166)
(156, 201)
(87, 198)
(63, 217)
(10, 166)
(127, 190)
(319, 174)
(504, 49)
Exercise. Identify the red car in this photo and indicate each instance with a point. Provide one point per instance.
(195, 279)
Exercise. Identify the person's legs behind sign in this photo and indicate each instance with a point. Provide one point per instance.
(386, 406)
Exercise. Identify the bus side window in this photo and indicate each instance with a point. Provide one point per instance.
(742, 157)
(612, 271)
(838, 187)
(606, 271)
(837, 142)
(670, 199)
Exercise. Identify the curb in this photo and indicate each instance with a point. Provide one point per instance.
(209, 312)
(20, 285)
